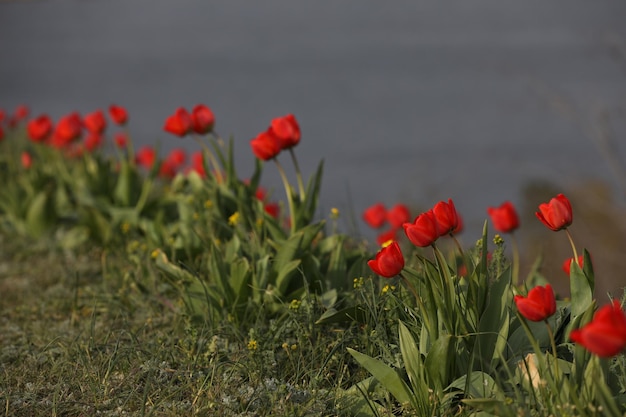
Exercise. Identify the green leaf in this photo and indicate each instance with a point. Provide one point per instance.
(239, 279)
(329, 298)
(354, 313)
(40, 215)
(387, 376)
(281, 280)
(439, 361)
(337, 266)
(581, 290)
(413, 363)
(480, 385)
(494, 322)
(126, 185)
(306, 210)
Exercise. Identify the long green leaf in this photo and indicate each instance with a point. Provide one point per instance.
(438, 361)
(581, 290)
(413, 364)
(387, 377)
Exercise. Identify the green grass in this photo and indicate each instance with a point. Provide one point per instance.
(75, 341)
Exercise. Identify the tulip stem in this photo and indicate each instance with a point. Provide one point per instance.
(515, 260)
(212, 161)
(298, 174)
(411, 287)
(130, 148)
(283, 176)
(418, 299)
(553, 343)
(458, 245)
(571, 242)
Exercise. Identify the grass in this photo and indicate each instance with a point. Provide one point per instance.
(76, 341)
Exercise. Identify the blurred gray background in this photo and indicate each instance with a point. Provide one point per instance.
(406, 101)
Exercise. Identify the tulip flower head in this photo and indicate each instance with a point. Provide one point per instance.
(118, 114)
(93, 141)
(287, 130)
(446, 217)
(202, 119)
(26, 159)
(389, 261)
(384, 237)
(39, 128)
(95, 122)
(146, 157)
(375, 216)
(423, 231)
(21, 112)
(556, 214)
(504, 218)
(605, 335)
(265, 146)
(68, 129)
(121, 140)
(179, 123)
(398, 215)
(197, 163)
(538, 305)
(567, 264)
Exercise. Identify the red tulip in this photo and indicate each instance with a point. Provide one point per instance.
(389, 261)
(178, 123)
(273, 209)
(385, 237)
(21, 112)
(538, 305)
(504, 218)
(39, 129)
(197, 163)
(1, 133)
(375, 216)
(202, 119)
(121, 140)
(68, 129)
(118, 114)
(146, 157)
(27, 160)
(446, 217)
(265, 146)
(460, 225)
(95, 122)
(557, 214)
(567, 264)
(398, 215)
(287, 130)
(167, 169)
(93, 141)
(177, 157)
(605, 335)
(423, 231)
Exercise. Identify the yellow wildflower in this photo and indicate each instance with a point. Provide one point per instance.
(234, 219)
(387, 288)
